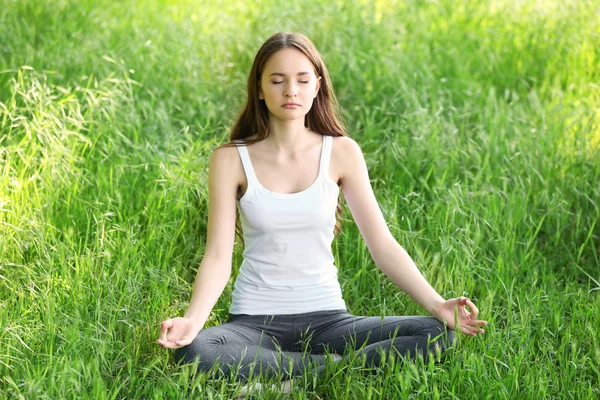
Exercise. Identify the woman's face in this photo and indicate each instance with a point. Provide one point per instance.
(288, 85)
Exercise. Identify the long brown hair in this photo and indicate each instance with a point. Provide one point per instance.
(324, 117)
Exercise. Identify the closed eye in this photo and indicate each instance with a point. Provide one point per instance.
(278, 82)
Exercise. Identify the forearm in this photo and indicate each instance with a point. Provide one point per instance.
(395, 262)
(212, 277)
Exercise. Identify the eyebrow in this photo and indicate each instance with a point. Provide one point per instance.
(299, 73)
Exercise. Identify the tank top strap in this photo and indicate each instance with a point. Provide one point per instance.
(326, 155)
(246, 163)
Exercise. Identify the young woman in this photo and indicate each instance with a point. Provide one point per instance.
(287, 158)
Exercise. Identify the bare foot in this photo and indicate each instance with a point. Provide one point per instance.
(283, 387)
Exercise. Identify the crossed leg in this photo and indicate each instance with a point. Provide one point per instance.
(273, 345)
(252, 350)
(407, 336)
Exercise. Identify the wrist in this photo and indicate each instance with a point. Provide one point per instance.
(195, 320)
(435, 307)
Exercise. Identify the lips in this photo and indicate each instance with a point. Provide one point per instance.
(290, 105)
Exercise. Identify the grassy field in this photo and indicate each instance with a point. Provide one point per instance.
(480, 123)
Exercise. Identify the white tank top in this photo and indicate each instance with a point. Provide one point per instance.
(288, 266)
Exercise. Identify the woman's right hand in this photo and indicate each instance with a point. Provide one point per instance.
(177, 332)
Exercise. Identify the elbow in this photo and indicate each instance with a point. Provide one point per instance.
(217, 263)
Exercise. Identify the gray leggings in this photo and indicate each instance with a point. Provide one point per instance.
(290, 344)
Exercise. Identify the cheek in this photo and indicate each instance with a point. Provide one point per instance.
(271, 91)
(272, 98)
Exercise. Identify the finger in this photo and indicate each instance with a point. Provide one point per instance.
(475, 326)
(474, 309)
(460, 305)
(462, 301)
(164, 328)
(468, 324)
(466, 330)
(475, 329)
(168, 344)
(476, 323)
(183, 342)
(480, 324)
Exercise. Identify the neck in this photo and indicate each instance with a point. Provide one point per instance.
(287, 135)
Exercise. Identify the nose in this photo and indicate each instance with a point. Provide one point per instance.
(290, 90)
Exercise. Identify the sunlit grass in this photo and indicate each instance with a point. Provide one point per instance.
(479, 123)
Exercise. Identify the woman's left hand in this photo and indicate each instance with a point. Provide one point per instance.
(466, 321)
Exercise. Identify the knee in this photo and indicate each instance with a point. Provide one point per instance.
(184, 355)
(188, 354)
(203, 351)
(439, 335)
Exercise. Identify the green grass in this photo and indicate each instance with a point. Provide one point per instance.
(480, 125)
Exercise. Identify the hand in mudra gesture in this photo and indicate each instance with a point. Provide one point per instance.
(466, 319)
(177, 332)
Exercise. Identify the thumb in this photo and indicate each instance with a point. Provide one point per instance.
(165, 326)
(183, 342)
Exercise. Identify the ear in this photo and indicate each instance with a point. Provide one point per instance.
(318, 87)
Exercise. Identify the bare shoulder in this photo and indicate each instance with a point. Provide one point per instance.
(345, 155)
(344, 146)
(225, 163)
(225, 157)
(224, 154)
